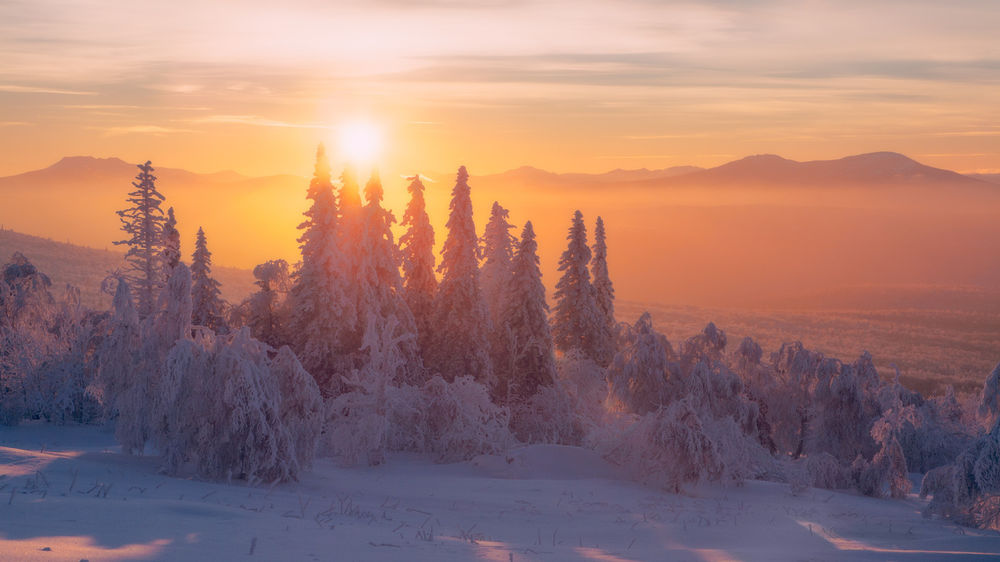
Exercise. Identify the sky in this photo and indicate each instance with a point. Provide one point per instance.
(563, 85)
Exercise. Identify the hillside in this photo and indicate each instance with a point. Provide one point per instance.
(85, 268)
(73, 495)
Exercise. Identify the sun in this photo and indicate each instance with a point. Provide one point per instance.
(360, 141)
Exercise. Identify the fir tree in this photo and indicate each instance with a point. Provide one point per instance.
(604, 290)
(577, 321)
(143, 222)
(380, 287)
(529, 361)
(604, 295)
(498, 251)
(171, 244)
(322, 314)
(460, 345)
(417, 246)
(351, 211)
(207, 303)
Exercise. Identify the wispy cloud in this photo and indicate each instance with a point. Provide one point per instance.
(258, 121)
(144, 130)
(995, 133)
(101, 106)
(17, 89)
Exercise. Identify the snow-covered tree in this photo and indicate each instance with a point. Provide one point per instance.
(263, 310)
(350, 203)
(498, 251)
(207, 305)
(155, 395)
(322, 313)
(379, 285)
(989, 405)
(45, 348)
(668, 448)
(146, 390)
(360, 419)
(118, 352)
(459, 345)
(577, 321)
(351, 212)
(171, 244)
(604, 291)
(639, 376)
(845, 408)
(417, 246)
(528, 360)
(302, 411)
(892, 465)
(232, 427)
(143, 222)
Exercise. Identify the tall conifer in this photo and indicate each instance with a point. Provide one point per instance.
(460, 319)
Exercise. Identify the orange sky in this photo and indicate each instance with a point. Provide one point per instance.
(566, 86)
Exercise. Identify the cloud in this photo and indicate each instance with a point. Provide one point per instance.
(257, 121)
(143, 130)
(17, 89)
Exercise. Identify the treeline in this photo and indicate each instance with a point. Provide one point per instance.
(370, 345)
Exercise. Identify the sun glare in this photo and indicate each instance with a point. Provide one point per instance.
(360, 141)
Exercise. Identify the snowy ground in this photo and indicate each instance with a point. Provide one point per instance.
(66, 493)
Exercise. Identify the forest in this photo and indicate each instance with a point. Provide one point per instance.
(369, 346)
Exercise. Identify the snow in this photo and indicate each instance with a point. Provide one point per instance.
(68, 493)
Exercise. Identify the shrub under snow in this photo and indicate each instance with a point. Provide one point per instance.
(452, 421)
(667, 448)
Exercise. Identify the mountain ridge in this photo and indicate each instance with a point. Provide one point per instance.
(757, 169)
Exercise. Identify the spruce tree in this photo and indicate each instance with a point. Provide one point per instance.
(577, 322)
(143, 222)
(604, 290)
(529, 361)
(322, 315)
(207, 304)
(604, 293)
(171, 244)
(459, 344)
(498, 251)
(380, 287)
(417, 246)
(350, 212)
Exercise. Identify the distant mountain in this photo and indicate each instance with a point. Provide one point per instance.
(992, 178)
(874, 169)
(763, 170)
(528, 175)
(72, 167)
(85, 268)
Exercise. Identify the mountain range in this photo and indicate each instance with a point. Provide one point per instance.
(769, 170)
